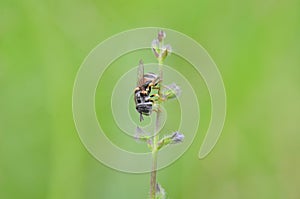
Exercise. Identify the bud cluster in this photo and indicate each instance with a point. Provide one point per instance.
(160, 50)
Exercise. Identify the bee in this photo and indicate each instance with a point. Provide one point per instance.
(145, 82)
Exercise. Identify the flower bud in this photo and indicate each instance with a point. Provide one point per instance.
(171, 91)
(174, 138)
(177, 137)
(160, 50)
(161, 35)
(160, 192)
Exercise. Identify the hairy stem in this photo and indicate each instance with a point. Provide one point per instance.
(155, 139)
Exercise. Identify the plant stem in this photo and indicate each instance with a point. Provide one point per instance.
(153, 175)
(155, 139)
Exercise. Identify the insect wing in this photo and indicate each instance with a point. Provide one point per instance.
(140, 74)
(151, 77)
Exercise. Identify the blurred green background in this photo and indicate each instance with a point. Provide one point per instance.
(256, 46)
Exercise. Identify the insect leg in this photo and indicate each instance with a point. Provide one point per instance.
(141, 117)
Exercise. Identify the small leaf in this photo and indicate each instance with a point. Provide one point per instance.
(155, 47)
(143, 136)
(165, 51)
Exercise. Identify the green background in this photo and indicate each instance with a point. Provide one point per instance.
(256, 46)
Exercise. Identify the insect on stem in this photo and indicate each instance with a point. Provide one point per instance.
(145, 101)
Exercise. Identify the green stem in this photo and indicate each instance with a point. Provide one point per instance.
(155, 139)
(153, 175)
